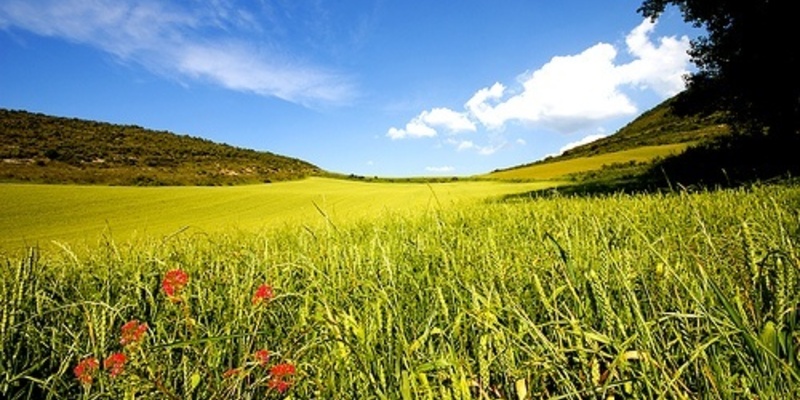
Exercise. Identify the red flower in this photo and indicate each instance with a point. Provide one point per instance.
(282, 370)
(279, 384)
(174, 281)
(85, 370)
(115, 364)
(263, 293)
(280, 379)
(132, 332)
(262, 356)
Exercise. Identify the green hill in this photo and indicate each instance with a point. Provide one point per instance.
(656, 134)
(46, 149)
(656, 127)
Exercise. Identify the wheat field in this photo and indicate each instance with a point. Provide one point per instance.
(674, 295)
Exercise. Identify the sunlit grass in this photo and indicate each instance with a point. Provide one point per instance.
(629, 296)
(560, 169)
(39, 214)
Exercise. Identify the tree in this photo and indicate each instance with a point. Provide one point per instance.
(747, 64)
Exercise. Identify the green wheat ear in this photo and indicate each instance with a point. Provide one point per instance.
(750, 253)
(537, 285)
(785, 285)
(598, 280)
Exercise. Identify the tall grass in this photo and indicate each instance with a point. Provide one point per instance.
(647, 296)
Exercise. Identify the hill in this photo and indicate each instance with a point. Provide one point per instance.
(655, 135)
(47, 149)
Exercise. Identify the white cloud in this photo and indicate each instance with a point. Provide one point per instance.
(566, 94)
(425, 124)
(491, 149)
(446, 118)
(480, 106)
(415, 128)
(585, 140)
(572, 93)
(181, 42)
(463, 145)
(239, 67)
(440, 169)
(661, 67)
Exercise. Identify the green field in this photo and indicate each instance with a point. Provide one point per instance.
(39, 214)
(678, 295)
(560, 169)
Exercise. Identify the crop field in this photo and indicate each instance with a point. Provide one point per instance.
(39, 214)
(559, 169)
(675, 295)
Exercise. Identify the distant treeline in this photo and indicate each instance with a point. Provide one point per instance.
(45, 149)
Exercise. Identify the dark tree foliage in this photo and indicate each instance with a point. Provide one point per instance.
(748, 61)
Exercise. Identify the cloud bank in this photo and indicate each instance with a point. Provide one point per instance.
(168, 38)
(569, 93)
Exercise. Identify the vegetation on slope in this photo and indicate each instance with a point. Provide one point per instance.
(46, 149)
(657, 126)
(602, 165)
(653, 136)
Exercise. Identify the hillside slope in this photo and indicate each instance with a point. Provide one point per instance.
(654, 135)
(46, 149)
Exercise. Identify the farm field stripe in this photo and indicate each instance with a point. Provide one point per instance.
(558, 169)
(38, 214)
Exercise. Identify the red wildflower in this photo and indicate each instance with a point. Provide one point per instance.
(132, 332)
(174, 281)
(85, 370)
(280, 379)
(231, 372)
(282, 370)
(115, 364)
(263, 293)
(262, 356)
(279, 384)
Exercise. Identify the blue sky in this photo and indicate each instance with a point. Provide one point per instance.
(379, 87)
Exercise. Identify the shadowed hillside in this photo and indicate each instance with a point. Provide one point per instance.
(658, 126)
(46, 149)
(657, 134)
(666, 148)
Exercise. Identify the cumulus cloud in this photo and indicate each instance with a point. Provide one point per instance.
(570, 93)
(585, 140)
(480, 106)
(452, 121)
(658, 67)
(414, 129)
(169, 39)
(566, 94)
(575, 92)
(425, 124)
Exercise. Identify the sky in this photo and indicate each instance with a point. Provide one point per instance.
(368, 87)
